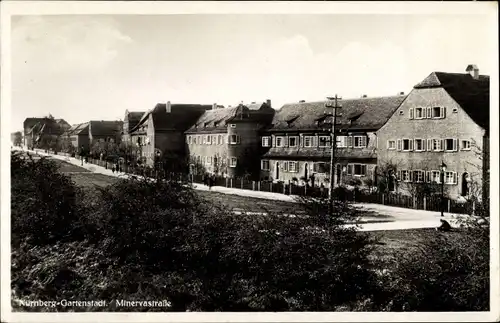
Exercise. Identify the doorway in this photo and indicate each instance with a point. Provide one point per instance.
(277, 171)
(465, 184)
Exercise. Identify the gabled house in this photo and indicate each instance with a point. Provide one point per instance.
(299, 142)
(131, 119)
(226, 141)
(160, 131)
(43, 132)
(105, 131)
(444, 119)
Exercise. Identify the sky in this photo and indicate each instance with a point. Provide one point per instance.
(95, 67)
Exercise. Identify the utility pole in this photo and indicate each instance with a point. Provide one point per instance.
(333, 103)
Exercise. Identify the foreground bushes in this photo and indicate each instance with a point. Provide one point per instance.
(142, 240)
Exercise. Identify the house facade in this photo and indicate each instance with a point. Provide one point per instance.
(444, 119)
(130, 120)
(299, 142)
(43, 132)
(79, 136)
(226, 141)
(107, 131)
(159, 134)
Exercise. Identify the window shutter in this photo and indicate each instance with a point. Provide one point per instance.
(441, 146)
(398, 175)
(410, 144)
(399, 144)
(443, 112)
(238, 139)
(455, 144)
(455, 181)
(363, 169)
(429, 144)
(423, 145)
(428, 176)
(411, 113)
(285, 166)
(428, 112)
(387, 144)
(411, 172)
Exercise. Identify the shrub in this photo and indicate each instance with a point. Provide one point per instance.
(442, 275)
(44, 203)
(207, 258)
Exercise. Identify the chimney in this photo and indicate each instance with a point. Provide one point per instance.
(302, 101)
(169, 107)
(268, 102)
(364, 96)
(214, 106)
(473, 70)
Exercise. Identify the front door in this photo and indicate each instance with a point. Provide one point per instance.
(465, 184)
(306, 169)
(277, 171)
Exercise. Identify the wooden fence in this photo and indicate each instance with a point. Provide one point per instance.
(429, 203)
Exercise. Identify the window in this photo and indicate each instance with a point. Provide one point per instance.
(350, 169)
(405, 176)
(190, 139)
(232, 125)
(341, 141)
(219, 139)
(455, 110)
(359, 141)
(436, 145)
(436, 176)
(194, 140)
(419, 145)
(233, 161)
(265, 165)
(199, 140)
(391, 144)
(450, 144)
(280, 142)
(407, 144)
(420, 113)
(438, 112)
(418, 176)
(292, 166)
(450, 178)
(265, 142)
(359, 170)
(401, 112)
(214, 139)
(234, 139)
(465, 145)
(308, 141)
(324, 141)
(321, 168)
(292, 141)
(209, 140)
(209, 160)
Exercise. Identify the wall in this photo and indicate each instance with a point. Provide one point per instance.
(455, 125)
(219, 151)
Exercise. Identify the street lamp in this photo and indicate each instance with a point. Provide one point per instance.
(332, 103)
(443, 170)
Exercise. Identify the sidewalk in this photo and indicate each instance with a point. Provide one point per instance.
(400, 218)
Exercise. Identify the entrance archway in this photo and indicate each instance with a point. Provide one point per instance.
(390, 184)
(465, 184)
(306, 170)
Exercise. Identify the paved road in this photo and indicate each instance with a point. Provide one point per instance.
(386, 217)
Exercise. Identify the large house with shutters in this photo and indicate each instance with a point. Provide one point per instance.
(298, 144)
(159, 133)
(444, 119)
(226, 141)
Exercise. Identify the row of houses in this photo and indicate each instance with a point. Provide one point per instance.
(443, 120)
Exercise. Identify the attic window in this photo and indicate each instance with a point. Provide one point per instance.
(455, 110)
(291, 120)
(401, 112)
(205, 124)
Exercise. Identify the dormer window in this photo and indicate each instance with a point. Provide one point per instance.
(205, 124)
(291, 120)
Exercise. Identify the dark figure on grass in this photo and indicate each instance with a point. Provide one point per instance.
(444, 227)
(211, 181)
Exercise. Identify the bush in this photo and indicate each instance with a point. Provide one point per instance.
(209, 259)
(44, 203)
(442, 275)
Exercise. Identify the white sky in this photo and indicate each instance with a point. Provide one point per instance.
(95, 67)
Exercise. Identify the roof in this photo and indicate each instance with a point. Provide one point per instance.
(79, 129)
(472, 95)
(105, 128)
(134, 117)
(30, 122)
(217, 119)
(180, 117)
(46, 126)
(321, 153)
(362, 114)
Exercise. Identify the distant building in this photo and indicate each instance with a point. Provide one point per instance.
(129, 122)
(160, 131)
(105, 131)
(226, 141)
(79, 135)
(43, 132)
(445, 118)
(299, 142)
